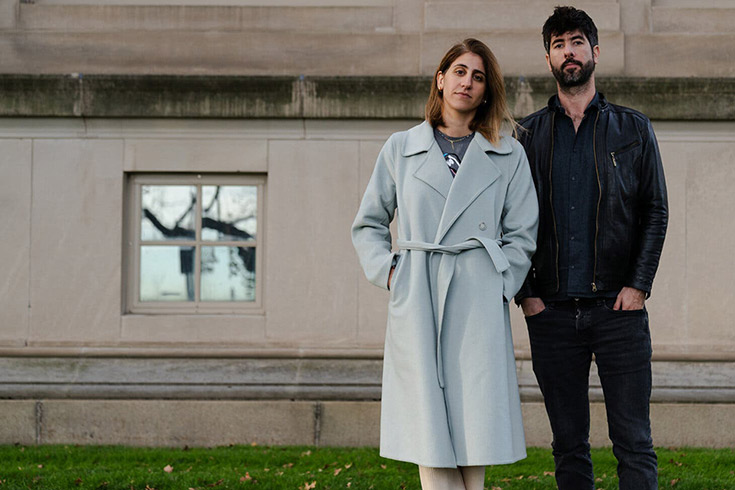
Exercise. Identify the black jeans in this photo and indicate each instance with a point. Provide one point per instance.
(564, 337)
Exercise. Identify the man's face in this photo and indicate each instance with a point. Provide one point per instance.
(571, 59)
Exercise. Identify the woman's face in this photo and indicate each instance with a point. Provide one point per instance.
(463, 84)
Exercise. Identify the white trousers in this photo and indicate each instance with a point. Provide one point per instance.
(462, 478)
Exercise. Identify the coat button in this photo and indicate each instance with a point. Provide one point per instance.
(483, 226)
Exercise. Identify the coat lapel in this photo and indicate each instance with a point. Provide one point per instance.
(433, 169)
(476, 173)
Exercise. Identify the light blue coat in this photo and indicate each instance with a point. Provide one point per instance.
(450, 394)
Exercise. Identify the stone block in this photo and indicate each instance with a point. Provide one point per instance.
(75, 282)
(15, 223)
(41, 127)
(368, 131)
(693, 424)
(709, 198)
(519, 52)
(506, 16)
(408, 15)
(635, 16)
(267, 53)
(693, 20)
(664, 55)
(177, 423)
(21, 94)
(19, 422)
(311, 274)
(201, 129)
(196, 155)
(350, 424)
(177, 330)
(8, 14)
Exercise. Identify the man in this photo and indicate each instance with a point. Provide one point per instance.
(603, 217)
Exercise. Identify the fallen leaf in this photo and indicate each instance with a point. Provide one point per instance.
(40, 466)
(337, 471)
(288, 465)
(168, 468)
(519, 477)
(497, 488)
(306, 453)
(78, 481)
(674, 481)
(308, 486)
(215, 484)
(349, 484)
(676, 463)
(247, 477)
(266, 469)
(598, 479)
(534, 477)
(383, 466)
(253, 443)
(348, 466)
(548, 473)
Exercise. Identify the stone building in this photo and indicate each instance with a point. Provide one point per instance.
(178, 179)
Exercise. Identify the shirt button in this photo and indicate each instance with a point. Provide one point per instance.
(571, 238)
(571, 267)
(482, 226)
(573, 208)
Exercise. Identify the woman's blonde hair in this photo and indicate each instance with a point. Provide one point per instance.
(493, 110)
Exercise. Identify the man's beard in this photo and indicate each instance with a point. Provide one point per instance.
(575, 78)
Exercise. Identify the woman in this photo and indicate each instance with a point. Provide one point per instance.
(467, 216)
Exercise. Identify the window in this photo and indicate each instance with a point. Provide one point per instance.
(194, 243)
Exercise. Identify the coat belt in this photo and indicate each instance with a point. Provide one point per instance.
(440, 285)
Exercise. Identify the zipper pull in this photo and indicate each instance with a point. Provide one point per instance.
(615, 163)
(594, 287)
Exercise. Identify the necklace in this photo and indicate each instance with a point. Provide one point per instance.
(452, 141)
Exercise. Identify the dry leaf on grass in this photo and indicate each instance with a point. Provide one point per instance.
(168, 468)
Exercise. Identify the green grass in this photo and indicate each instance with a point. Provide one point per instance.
(246, 467)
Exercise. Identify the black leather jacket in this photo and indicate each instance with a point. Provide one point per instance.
(632, 209)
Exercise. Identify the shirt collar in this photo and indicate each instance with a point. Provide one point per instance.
(594, 104)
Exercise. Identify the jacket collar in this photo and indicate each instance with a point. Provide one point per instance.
(421, 137)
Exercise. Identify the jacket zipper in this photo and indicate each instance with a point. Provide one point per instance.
(599, 200)
(622, 150)
(551, 199)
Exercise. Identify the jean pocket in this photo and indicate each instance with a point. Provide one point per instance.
(536, 315)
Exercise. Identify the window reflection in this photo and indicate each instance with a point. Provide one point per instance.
(229, 212)
(228, 274)
(167, 212)
(166, 273)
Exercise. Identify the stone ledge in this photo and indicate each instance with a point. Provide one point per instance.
(217, 423)
(292, 379)
(170, 96)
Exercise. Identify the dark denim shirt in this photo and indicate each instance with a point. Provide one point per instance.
(575, 192)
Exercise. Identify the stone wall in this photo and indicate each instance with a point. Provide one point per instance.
(649, 38)
(95, 92)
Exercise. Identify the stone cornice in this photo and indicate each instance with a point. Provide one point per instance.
(172, 96)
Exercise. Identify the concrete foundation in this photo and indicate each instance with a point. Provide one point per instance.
(284, 422)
